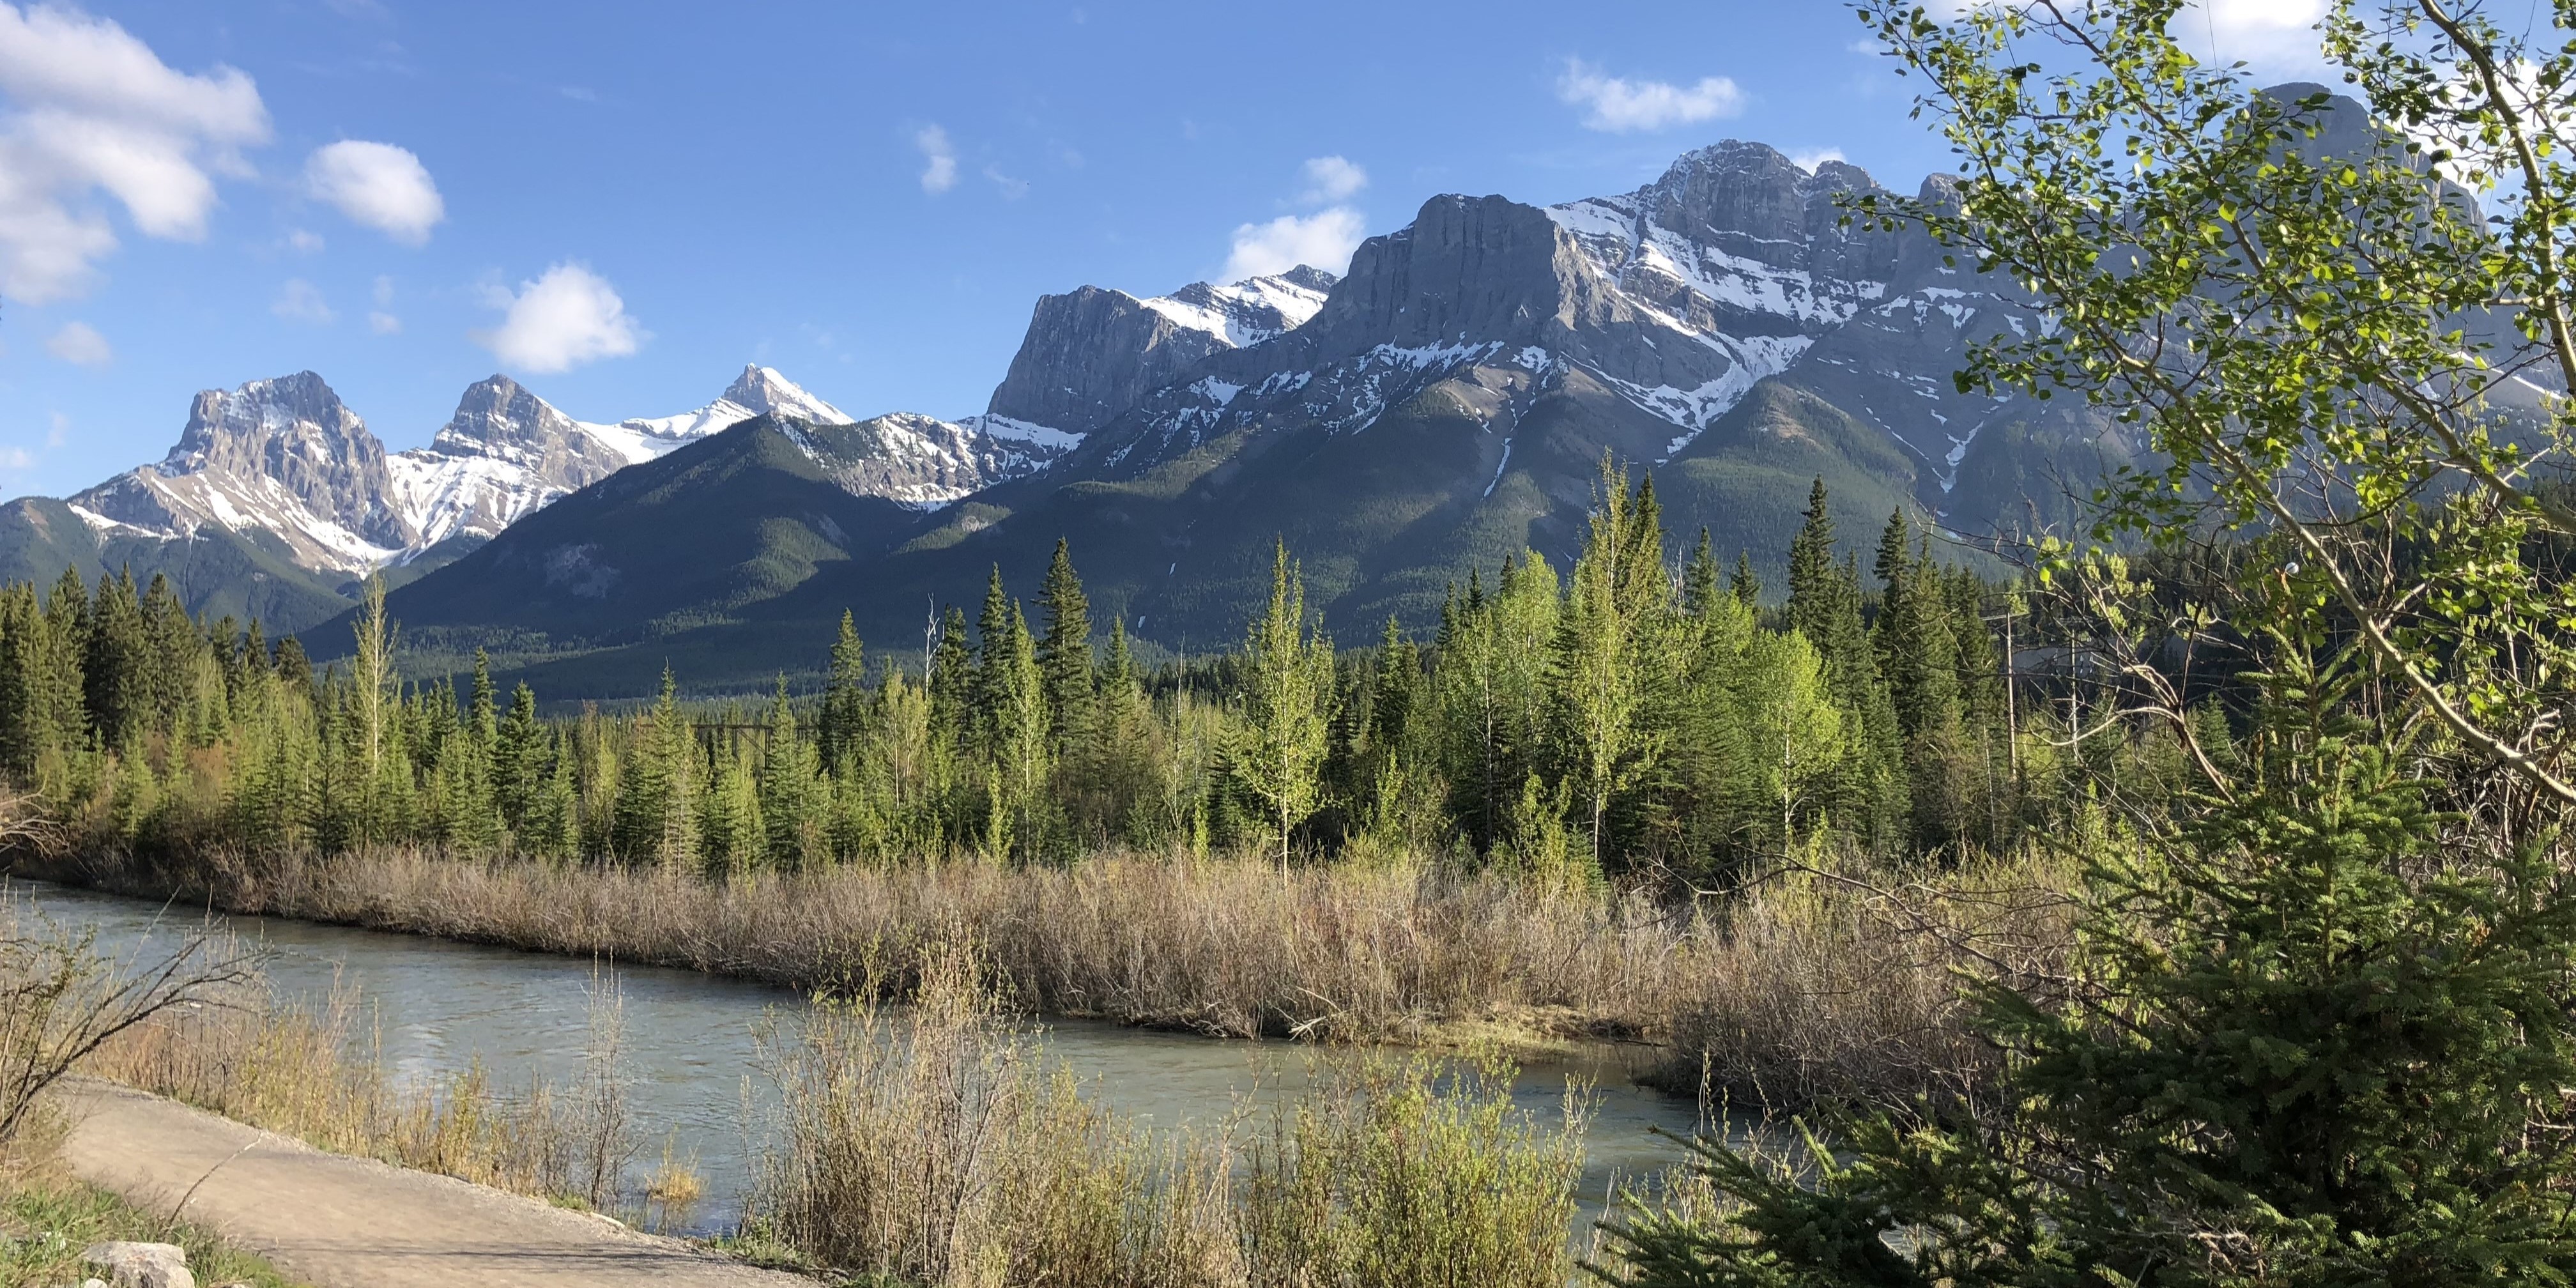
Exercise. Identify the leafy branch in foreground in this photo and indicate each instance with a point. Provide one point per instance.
(2343, 324)
(2319, 1037)
(2315, 1027)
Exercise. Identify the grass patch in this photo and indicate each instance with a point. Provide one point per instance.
(47, 1216)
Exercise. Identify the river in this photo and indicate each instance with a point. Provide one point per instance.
(434, 1006)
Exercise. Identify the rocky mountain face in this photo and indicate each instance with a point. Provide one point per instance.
(283, 456)
(1092, 353)
(286, 462)
(1444, 405)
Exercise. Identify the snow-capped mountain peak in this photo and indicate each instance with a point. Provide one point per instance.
(757, 391)
(762, 391)
(1248, 312)
(285, 457)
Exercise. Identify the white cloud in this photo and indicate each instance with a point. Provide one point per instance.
(1324, 239)
(1010, 188)
(940, 174)
(1332, 179)
(59, 432)
(91, 108)
(80, 345)
(2272, 36)
(301, 301)
(1810, 160)
(17, 458)
(379, 185)
(304, 242)
(563, 319)
(1617, 105)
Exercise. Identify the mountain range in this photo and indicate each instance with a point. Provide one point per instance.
(1445, 403)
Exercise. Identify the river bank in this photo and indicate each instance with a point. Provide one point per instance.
(1800, 988)
(925, 1141)
(344, 1222)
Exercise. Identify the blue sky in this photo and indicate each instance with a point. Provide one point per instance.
(620, 204)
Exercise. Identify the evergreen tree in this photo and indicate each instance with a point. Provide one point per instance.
(1015, 721)
(1277, 761)
(116, 662)
(1699, 579)
(656, 811)
(1746, 587)
(2317, 1038)
(1817, 588)
(554, 821)
(293, 667)
(1064, 653)
(845, 699)
(520, 746)
(787, 786)
(1391, 691)
(952, 683)
(733, 837)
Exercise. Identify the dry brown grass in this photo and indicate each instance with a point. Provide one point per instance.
(1804, 986)
(936, 1146)
(311, 1074)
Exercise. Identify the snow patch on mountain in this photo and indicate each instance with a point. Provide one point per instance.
(284, 457)
(1248, 312)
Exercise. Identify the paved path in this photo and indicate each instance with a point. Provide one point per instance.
(344, 1222)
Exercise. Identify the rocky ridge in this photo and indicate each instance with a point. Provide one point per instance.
(287, 459)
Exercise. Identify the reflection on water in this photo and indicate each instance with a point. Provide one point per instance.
(435, 1005)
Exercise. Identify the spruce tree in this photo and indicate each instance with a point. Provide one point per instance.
(787, 786)
(1699, 578)
(1816, 585)
(1016, 738)
(845, 699)
(1746, 586)
(520, 747)
(2320, 1036)
(1064, 653)
(952, 683)
(656, 812)
(114, 668)
(293, 667)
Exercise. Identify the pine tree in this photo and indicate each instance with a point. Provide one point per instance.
(952, 683)
(1816, 585)
(1015, 722)
(293, 667)
(520, 745)
(656, 812)
(845, 699)
(118, 657)
(1699, 578)
(1391, 691)
(2316, 1038)
(1288, 679)
(787, 786)
(733, 838)
(553, 826)
(1746, 587)
(1064, 654)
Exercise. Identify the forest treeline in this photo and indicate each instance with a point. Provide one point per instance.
(1633, 713)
